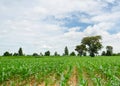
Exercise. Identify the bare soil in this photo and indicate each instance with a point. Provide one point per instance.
(73, 79)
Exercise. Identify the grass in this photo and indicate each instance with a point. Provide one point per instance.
(60, 71)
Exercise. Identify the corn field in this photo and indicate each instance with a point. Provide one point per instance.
(59, 71)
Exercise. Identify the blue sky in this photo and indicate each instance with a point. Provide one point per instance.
(41, 25)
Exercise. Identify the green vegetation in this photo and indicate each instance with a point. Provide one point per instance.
(20, 52)
(81, 49)
(60, 71)
(66, 51)
(91, 44)
(7, 54)
(47, 53)
(68, 69)
(72, 54)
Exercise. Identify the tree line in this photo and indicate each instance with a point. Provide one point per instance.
(90, 45)
(47, 53)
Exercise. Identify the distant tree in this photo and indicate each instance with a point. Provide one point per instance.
(72, 54)
(47, 53)
(15, 54)
(81, 49)
(93, 44)
(66, 51)
(20, 52)
(35, 54)
(7, 54)
(114, 54)
(108, 53)
(41, 54)
(56, 54)
(109, 50)
(10, 54)
(118, 54)
(63, 54)
(103, 53)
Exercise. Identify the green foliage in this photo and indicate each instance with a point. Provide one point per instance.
(7, 54)
(56, 54)
(109, 50)
(93, 44)
(81, 49)
(116, 54)
(35, 54)
(20, 52)
(15, 54)
(100, 71)
(103, 53)
(41, 54)
(47, 53)
(66, 51)
(72, 54)
(84, 54)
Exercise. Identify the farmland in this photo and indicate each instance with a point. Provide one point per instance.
(60, 71)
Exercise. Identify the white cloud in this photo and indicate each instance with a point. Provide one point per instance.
(28, 24)
(74, 29)
(107, 17)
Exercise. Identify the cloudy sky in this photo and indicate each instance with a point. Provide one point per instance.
(41, 25)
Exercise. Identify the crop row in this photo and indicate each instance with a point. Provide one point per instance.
(60, 71)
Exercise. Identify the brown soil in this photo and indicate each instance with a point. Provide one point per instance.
(73, 79)
(42, 84)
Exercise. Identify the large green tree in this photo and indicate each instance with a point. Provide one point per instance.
(20, 52)
(93, 44)
(81, 49)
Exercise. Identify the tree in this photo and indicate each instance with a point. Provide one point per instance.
(41, 54)
(118, 54)
(81, 49)
(72, 54)
(15, 54)
(7, 54)
(109, 50)
(84, 53)
(103, 53)
(47, 53)
(66, 51)
(93, 44)
(56, 54)
(20, 52)
(35, 54)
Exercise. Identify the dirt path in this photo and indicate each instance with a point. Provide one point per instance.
(73, 79)
(50, 78)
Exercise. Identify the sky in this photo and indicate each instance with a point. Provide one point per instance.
(41, 25)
